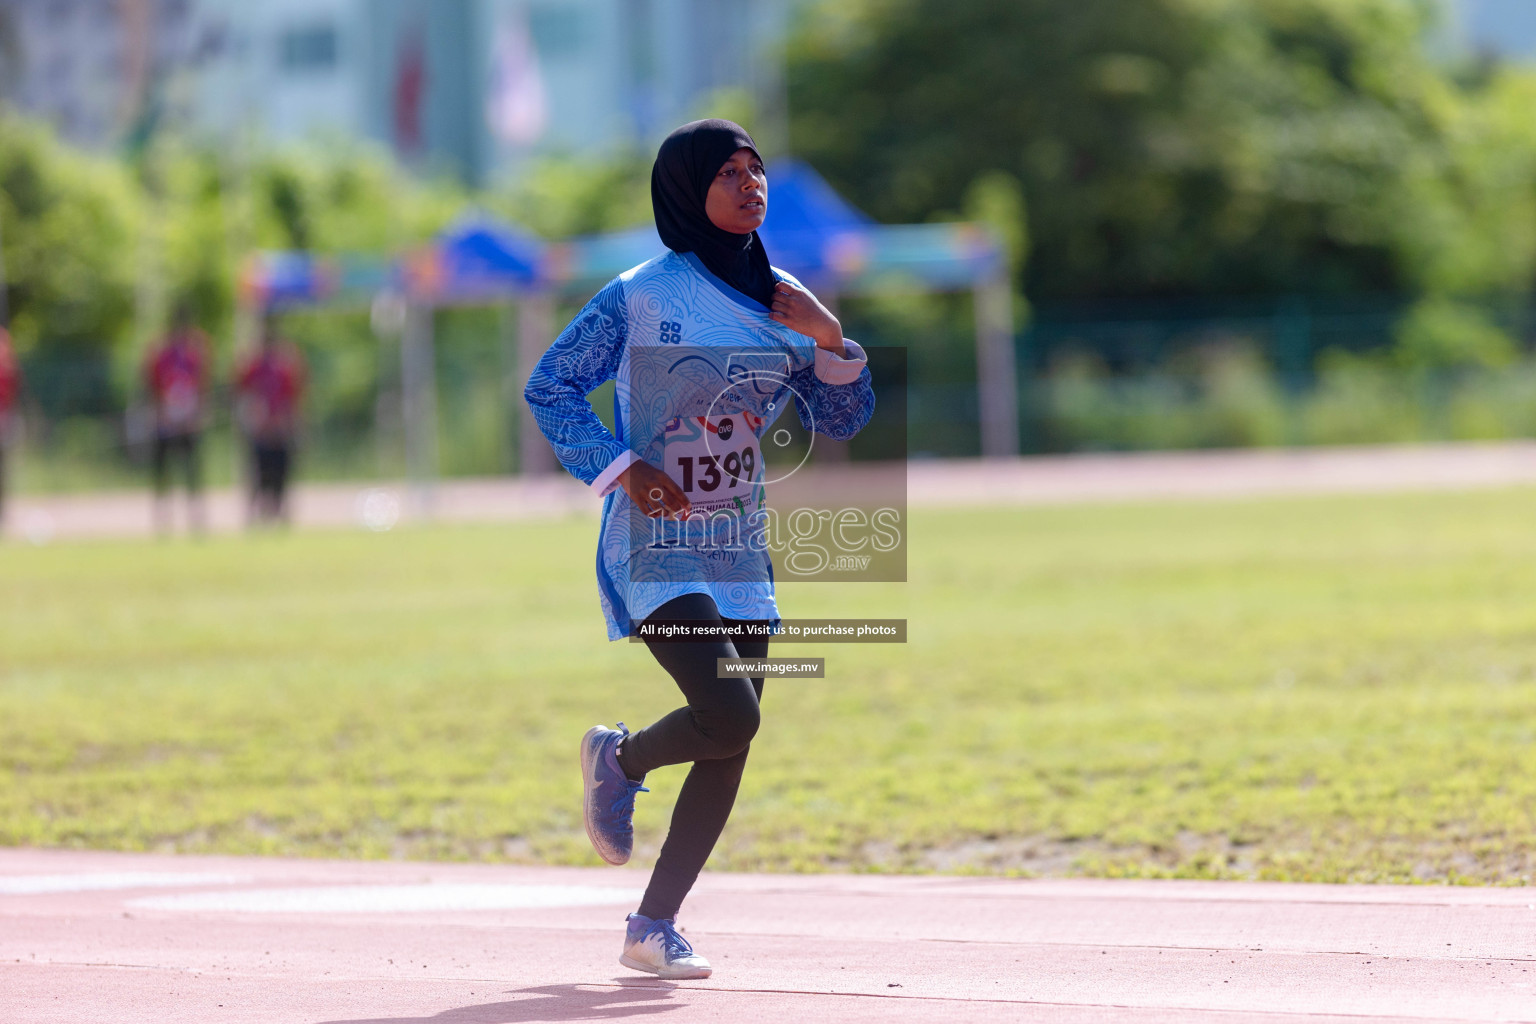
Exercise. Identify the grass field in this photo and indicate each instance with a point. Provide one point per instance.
(1321, 689)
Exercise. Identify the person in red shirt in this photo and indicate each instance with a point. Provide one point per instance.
(10, 384)
(176, 375)
(268, 386)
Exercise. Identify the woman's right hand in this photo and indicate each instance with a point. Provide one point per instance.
(653, 492)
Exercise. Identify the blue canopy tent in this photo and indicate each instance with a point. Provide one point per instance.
(836, 250)
(812, 232)
(477, 261)
(272, 281)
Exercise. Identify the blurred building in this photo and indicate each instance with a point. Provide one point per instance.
(96, 69)
(468, 87)
(288, 69)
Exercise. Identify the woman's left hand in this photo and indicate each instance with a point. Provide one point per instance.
(801, 312)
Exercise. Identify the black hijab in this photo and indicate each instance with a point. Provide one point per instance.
(685, 166)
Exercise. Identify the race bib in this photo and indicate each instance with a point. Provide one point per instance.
(716, 461)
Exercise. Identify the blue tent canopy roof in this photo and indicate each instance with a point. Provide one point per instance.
(813, 233)
(283, 279)
(803, 201)
(476, 257)
(809, 226)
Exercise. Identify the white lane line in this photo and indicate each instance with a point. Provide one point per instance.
(382, 899)
(97, 881)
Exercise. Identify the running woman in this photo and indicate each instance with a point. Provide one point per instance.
(707, 345)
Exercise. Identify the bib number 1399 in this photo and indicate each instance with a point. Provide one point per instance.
(707, 472)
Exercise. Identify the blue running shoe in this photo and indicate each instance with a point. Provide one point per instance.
(609, 800)
(654, 946)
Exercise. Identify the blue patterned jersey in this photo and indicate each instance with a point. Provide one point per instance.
(701, 375)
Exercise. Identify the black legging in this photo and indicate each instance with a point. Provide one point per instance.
(271, 461)
(714, 731)
(182, 447)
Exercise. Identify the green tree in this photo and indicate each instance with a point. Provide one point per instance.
(68, 224)
(206, 212)
(347, 197)
(560, 197)
(1179, 146)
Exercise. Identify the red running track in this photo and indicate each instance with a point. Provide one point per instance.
(106, 937)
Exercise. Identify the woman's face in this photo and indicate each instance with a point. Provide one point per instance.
(737, 200)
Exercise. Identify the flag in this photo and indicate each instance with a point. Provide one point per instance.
(410, 84)
(515, 101)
